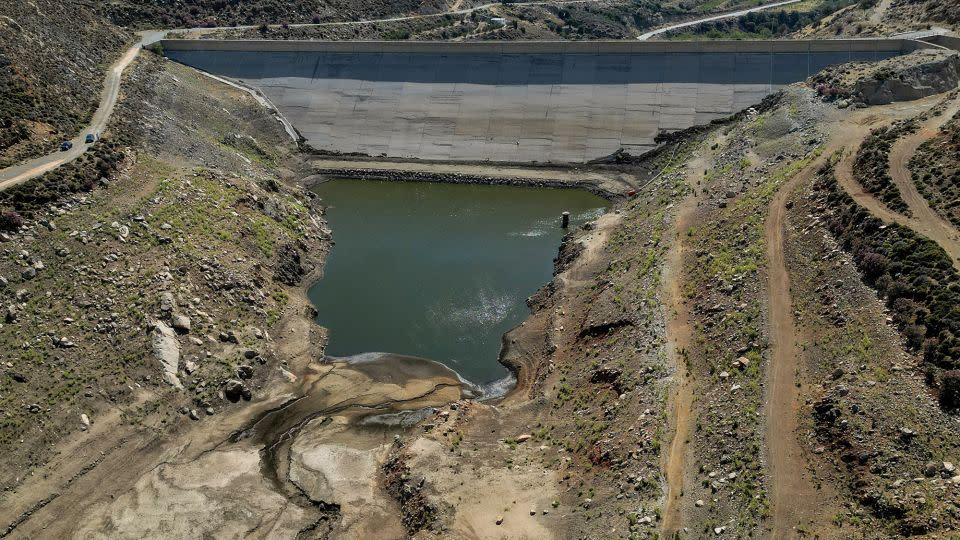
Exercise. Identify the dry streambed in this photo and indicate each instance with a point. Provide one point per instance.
(291, 469)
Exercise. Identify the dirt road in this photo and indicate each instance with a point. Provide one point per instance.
(12, 176)
(732, 14)
(927, 221)
(922, 223)
(680, 338)
(795, 501)
(789, 480)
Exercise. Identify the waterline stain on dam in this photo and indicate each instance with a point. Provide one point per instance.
(438, 271)
(513, 101)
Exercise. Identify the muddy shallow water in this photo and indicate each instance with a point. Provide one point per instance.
(438, 271)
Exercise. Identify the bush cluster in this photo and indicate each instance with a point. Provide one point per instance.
(872, 165)
(10, 220)
(913, 275)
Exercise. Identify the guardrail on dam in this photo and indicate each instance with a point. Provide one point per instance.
(561, 102)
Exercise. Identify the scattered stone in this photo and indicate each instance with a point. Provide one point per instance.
(234, 390)
(245, 372)
(167, 302)
(194, 415)
(523, 438)
(699, 503)
(28, 273)
(181, 323)
(499, 520)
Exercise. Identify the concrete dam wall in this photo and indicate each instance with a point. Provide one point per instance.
(561, 102)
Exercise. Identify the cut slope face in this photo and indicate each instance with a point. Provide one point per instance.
(524, 103)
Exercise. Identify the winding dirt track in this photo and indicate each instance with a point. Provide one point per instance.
(925, 220)
(848, 181)
(680, 338)
(17, 174)
(795, 501)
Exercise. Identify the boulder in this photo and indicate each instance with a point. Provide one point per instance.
(245, 372)
(167, 302)
(234, 390)
(166, 348)
(181, 323)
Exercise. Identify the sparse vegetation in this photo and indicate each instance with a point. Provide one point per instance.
(936, 171)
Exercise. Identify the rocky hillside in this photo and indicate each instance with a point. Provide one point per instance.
(53, 56)
(169, 266)
(196, 13)
(919, 74)
(877, 18)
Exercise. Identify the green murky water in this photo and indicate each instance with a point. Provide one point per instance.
(439, 271)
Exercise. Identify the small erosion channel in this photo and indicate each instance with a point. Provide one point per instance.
(436, 270)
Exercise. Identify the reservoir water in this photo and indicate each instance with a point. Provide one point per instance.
(438, 271)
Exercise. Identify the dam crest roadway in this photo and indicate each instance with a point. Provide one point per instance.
(557, 102)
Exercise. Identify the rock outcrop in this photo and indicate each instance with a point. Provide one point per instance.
(166, 348)
(940, 74)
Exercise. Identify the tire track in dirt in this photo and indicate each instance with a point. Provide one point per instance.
(794, 499)
(864, 198)
(680, 338)
(679, 334)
